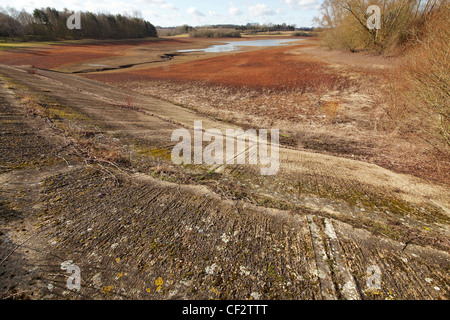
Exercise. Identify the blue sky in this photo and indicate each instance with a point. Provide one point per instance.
(195, 12)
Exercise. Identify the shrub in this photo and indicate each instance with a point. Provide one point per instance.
(345, 23)
(214, 33)
(421, 86)
(303, 34)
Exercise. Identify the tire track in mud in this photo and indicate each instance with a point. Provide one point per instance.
(226, 236)
(335, 279)
(327, 284)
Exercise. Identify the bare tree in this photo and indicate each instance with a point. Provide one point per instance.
(346, 22)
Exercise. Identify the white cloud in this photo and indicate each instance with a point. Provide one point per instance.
(161, 4)
(260, 10)
(213, 13)
(234, 11)
(111, 6)
(303, 4)
(194, 11)
(177, 12)
(169, 6)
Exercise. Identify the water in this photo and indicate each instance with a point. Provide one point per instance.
(236, 45)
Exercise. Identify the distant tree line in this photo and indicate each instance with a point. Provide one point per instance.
(256, 27)
(50, 24)
(230, 30)
(174, 31)
(214, 33)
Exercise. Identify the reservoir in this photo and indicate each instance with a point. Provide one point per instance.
(236, 45)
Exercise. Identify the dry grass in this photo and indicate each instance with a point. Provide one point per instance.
(331, 108)
(419, 88)
(83, 135)
(33, 107)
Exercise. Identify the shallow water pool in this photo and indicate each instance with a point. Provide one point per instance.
(236, 45)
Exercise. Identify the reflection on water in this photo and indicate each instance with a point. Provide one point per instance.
(236, 45)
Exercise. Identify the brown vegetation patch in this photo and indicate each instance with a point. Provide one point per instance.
(271, 68)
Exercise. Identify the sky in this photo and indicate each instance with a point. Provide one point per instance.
(167, 13)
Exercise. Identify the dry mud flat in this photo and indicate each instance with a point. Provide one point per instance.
(140, 228)
(86, 56)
